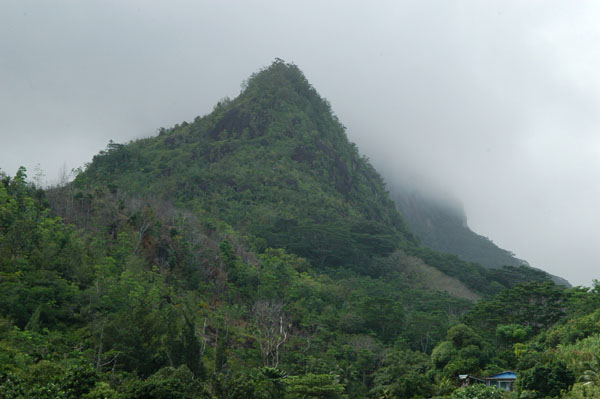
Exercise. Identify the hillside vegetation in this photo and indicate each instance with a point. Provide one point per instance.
(253, 253)
(274, 163)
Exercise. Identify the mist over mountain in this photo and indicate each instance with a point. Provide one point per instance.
(493, 99)
(276, 164)
(253, 252)
(440, 222)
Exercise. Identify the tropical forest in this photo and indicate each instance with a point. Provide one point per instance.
(254, 252)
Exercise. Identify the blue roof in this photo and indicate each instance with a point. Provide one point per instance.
(504, 375)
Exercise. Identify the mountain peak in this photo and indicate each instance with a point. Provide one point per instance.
(274, 163)
(280, 90)
(277, 75)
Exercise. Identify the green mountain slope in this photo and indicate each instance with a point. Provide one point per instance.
(274, 163)
(147, 301)
(131, 298)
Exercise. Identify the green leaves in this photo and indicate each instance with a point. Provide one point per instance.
(167, 383)
(478, 391)
(314, 386)
(547, 379)
(533, 305)
(404, 374)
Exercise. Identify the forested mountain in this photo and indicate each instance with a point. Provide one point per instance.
(274, 163)
(253, 253)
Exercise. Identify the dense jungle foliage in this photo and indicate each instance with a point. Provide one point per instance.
(254, 254)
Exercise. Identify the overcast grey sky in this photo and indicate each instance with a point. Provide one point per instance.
(494, 101)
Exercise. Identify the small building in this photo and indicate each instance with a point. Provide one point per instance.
(504, 380)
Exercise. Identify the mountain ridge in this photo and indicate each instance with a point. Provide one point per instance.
(441, 223)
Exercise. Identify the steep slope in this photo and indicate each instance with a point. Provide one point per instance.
(274, 163)
(441, 224)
